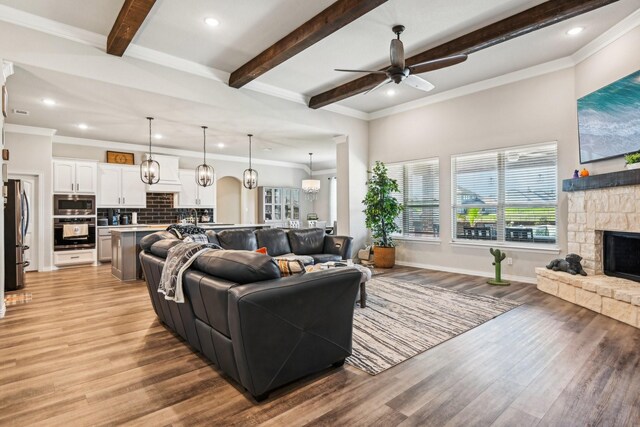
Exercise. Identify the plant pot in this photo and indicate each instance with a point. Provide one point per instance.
(633, 166)
(384, 257)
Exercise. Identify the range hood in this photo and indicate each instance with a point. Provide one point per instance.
(169, 177)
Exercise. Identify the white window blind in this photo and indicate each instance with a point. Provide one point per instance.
(419, 183)
(507, 195)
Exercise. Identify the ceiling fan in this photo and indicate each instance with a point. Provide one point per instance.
(399, 73)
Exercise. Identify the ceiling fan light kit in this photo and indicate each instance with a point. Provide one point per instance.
(311, 187)
(250, 176)
(398, 72)
(204, 172)
(150, 169)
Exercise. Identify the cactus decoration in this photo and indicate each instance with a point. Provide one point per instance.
(498, 256)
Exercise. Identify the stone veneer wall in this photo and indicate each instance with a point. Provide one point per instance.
(592, 212)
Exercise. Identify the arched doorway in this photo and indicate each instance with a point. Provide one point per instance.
(228, 200)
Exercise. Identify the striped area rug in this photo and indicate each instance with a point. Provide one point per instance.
(404, 319)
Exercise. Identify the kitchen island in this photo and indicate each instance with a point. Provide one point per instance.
(125, 245)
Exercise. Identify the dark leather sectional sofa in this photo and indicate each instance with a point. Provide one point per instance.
(261, 329)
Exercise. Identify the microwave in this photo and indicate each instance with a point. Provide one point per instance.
(74, 204)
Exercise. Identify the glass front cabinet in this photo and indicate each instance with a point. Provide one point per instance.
(278, 204)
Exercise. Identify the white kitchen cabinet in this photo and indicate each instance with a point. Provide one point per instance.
(104, 244)
(75, 177)
(192, 195)
(134, 193)
(119, 186)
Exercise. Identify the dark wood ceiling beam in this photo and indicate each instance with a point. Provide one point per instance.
(535, 18)
(129, 21)
(330, 20)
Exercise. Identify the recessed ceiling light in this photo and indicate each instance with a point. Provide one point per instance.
(391, 92)
(48, 101)
(575, 31)
(158, 136)
(83, 126)
(212, 22)
(267, 149)
(220, 145)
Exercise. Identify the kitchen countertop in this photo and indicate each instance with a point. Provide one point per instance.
(149, 227)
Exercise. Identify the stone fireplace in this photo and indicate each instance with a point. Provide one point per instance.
(594, 211)
(604, 219)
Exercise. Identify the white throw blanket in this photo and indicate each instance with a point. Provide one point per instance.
(179, 258)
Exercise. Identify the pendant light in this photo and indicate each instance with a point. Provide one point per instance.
(311, 186)
(250, 176)
(150, 169)
(204, 172)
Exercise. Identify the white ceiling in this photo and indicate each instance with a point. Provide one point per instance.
(116, 113)
(248, 27)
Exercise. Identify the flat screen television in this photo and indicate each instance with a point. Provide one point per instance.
(609, 120)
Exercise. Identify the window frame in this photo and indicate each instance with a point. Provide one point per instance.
(501, 205)
(405, 198)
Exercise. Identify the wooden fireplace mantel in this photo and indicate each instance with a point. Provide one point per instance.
(605, 180)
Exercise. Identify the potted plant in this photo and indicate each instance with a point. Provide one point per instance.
(381, 211)
(633, 160)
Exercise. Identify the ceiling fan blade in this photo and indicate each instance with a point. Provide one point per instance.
(360, 71)
(397, 53)
(379, 86)
(436, 64)
(418, 83)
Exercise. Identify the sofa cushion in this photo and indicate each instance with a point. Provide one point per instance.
(307, 241)
(274, 239)
(320, 258)
(213, 238)
(147, 241)
(238, 266)
(244, 240)
(209, 298)
(161, 247)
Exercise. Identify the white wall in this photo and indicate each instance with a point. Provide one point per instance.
(321, 204)
(228, 206)
(32, 155)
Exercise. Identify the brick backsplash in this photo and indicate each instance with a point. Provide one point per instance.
(159, 210)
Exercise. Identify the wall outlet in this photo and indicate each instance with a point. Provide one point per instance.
(509, 261)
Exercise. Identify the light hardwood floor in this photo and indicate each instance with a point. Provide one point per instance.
(88, 350)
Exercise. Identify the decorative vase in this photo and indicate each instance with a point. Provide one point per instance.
(384, 257)
(632, 166)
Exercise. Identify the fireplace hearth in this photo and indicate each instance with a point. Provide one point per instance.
(621, 255)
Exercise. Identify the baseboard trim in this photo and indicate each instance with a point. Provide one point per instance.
(3, 309)
(524, 279)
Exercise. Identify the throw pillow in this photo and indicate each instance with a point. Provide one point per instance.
(196, 238)
(262, 250)
(289, 267)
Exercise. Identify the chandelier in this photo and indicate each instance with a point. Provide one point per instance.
(204, 173)
(250, 176)
(150, 169)
(311, 186)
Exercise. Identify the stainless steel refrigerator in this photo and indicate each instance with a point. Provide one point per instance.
(16, 223)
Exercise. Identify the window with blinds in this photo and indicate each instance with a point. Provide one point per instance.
(507, 195)
(419, 183)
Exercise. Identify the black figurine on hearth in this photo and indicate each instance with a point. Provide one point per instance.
(571, 264)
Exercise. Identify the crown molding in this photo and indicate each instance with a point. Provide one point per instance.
(516, 76)
(29, 130)
(325, 172)
(49, 26)
(112, 145)
(605, 39)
